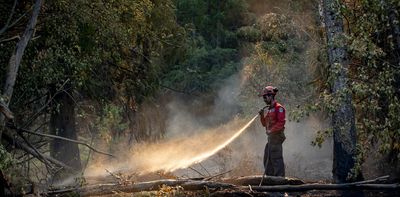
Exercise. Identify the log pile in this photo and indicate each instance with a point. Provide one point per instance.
(239, 185)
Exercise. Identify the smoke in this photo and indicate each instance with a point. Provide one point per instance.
(207, 143)
(177, 152)
(190, 142)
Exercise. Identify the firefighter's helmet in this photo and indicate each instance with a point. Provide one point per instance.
(269, 90)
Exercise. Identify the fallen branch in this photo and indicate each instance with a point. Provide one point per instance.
(39, 155)
(201, 165)
(217, 175)
(60, 138)
(191, 185)
(201, 174)
(268, 180)
(306, 187)
(104, 189)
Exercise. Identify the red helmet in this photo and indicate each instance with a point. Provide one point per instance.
(269, 90)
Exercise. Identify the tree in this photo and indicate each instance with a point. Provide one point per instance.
(343, 119)
(91, 52)
(16, 57)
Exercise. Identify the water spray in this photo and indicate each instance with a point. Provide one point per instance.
(175, 153)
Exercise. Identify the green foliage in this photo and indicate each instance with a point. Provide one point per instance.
(321, 136)
(6, 160)
(211, 53)
(214, 19)
(373, 76)
(110, 123)
(277, 58)
(375, 80)
(276, 26)
(202, 69)
(248, 33)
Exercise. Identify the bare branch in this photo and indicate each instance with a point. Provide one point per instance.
(9, 39)
(197, 171)
(45, 106)
(27, 149)
(60, 138)
(201, 165)
(217, 175)
(6, 112)
(179, 91)
(2, 30)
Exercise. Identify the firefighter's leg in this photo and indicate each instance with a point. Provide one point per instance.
(267, 161)
(270, 168)
(276, 158)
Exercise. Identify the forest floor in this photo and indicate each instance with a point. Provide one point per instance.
(236, 186)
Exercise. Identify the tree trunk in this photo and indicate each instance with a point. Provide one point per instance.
(16, 58)
(62, 123)
(343, 120)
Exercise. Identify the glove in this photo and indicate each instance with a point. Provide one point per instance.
(261, 112)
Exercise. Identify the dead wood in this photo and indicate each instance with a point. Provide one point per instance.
(60, 138)
(220, 188)
(20, 145)
(5, 110)
(200, 185)
(306, 187)
(16, 58)
(104, 189)
(268, 180)
(235, 193)
(217, 175)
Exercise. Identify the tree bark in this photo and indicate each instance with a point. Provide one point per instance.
(343, 120)
(62, 123)
(16, 58)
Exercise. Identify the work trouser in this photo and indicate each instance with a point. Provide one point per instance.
(273, 158)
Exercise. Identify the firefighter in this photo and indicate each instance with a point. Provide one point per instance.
(273, 119)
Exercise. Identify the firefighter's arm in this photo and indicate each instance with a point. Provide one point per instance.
(280, 123)
(262, 118)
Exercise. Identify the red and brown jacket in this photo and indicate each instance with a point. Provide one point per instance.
(273, 119)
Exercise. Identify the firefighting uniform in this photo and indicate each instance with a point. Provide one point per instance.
(273, 119)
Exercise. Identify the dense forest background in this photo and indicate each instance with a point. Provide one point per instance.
(105, 73)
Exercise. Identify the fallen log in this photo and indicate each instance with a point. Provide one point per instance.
(104, 189)
(268, 180)
(199, 185)
(306, 187)
(187, 185)
(194, 185)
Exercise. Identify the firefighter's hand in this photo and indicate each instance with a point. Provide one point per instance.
(261, 112)
(268, 131)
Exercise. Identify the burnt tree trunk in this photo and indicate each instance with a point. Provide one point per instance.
(62, 123)
(343, 122)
